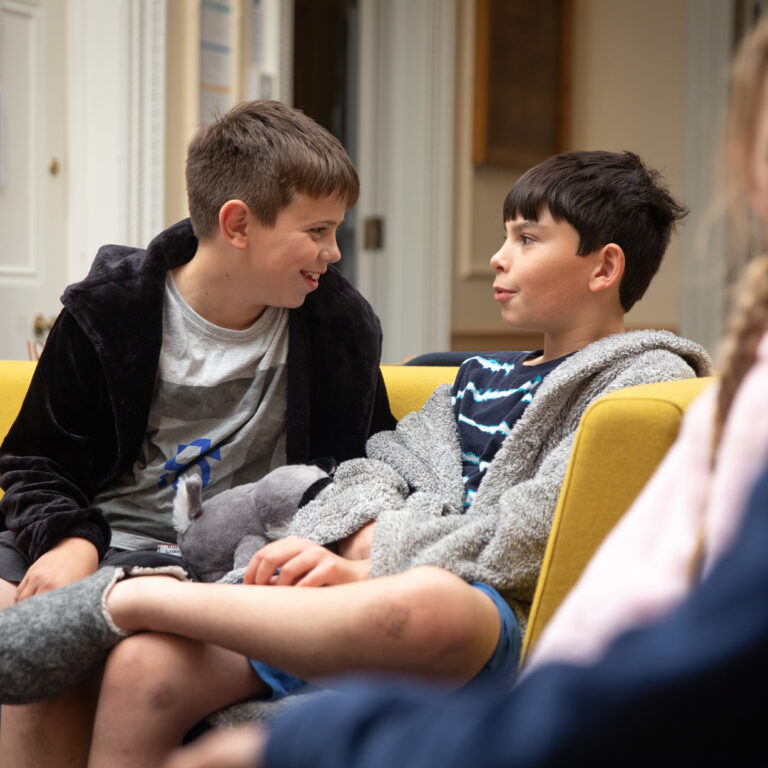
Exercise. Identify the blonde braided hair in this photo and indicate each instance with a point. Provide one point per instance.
(747, 324)
(748, 319)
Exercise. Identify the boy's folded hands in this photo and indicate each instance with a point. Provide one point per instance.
(295, 562)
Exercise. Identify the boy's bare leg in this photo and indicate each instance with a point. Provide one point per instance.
(425, 622)
(55, 733)
(156, 687)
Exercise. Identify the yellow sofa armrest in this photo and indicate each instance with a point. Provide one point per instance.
(621, 440)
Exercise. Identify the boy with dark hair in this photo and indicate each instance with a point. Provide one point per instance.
(216, 348)
(605, 197)
(451, 510)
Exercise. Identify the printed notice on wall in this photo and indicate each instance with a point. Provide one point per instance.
(261, 82)
(2, 142)
(215, 59)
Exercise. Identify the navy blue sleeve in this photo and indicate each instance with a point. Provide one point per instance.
(690, 690)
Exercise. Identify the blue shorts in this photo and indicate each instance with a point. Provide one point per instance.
(501, 666)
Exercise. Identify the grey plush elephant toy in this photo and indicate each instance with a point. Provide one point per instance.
(222, 533)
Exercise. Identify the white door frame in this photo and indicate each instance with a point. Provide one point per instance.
(116, 125)
(406, 100)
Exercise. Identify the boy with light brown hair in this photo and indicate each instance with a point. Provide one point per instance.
(217, 349)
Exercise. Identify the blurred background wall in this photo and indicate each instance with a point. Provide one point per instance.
(98, 101)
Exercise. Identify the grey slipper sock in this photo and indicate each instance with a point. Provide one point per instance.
(53, 641)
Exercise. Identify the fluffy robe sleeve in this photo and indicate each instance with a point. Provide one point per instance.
(55, 455)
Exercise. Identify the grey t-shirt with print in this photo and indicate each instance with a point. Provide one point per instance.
(218, 409)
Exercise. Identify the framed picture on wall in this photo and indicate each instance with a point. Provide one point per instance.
(521, 61)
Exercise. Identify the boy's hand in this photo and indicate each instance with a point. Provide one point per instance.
(240, 747)
(358, 545)
(295, 562)
(70, 560)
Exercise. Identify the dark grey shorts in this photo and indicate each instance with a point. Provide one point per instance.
(14, 563)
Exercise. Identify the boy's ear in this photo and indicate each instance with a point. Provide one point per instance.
(609, 268)
(234, 222)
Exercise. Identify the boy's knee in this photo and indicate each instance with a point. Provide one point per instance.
(141, 670)
(456, 623)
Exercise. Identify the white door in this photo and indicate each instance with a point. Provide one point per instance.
(32, 170)
(405, 139)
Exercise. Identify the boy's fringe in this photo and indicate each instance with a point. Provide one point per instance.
(746, 326)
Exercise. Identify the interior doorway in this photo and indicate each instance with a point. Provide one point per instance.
(325, 86)
(380, 75)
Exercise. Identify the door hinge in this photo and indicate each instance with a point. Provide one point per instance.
(373, 233)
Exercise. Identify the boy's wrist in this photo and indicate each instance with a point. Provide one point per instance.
(362, 569)
(80, 550)
(357, 546)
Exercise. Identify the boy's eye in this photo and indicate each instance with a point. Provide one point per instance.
(317, 230)
(526, 239)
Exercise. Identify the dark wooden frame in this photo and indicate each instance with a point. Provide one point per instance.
(522, 58)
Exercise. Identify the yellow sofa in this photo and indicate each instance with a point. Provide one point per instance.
(622, 438)
(14, 380)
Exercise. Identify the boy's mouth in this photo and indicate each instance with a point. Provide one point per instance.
(500, 294)
(311, 275)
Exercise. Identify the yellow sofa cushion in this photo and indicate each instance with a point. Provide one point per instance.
(408, 386)
(15, 376)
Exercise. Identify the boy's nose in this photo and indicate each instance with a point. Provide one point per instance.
(331, 253)
(497, 262)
